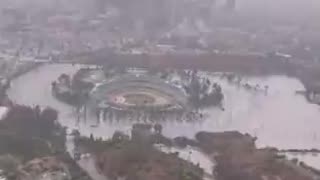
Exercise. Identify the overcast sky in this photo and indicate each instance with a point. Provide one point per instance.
(272, 8)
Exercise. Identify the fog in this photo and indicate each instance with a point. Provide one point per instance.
(246, 70)
(286, 9)
(271, 8)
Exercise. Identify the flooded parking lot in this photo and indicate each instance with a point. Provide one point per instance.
(279, 118)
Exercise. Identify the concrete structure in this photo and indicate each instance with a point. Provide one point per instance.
(139, 92)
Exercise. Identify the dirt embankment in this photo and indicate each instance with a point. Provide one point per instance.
(238, 159)
(235, 155)
(141, 161)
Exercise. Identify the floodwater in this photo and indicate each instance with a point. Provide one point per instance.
(279, 118)
(312, 159)
(191, 154)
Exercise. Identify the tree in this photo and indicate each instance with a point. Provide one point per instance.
(158, 128)
(91, 137)
(49, 115)
(54, 85)
(37, 112)
(47, 122)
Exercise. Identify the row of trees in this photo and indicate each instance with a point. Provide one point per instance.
(31, 132)
(28, 121)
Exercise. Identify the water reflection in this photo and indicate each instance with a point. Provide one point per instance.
(191, 154)
(280, 118)
(310, 159)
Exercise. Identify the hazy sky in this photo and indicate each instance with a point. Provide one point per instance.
(271, 8)
(282, 7)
